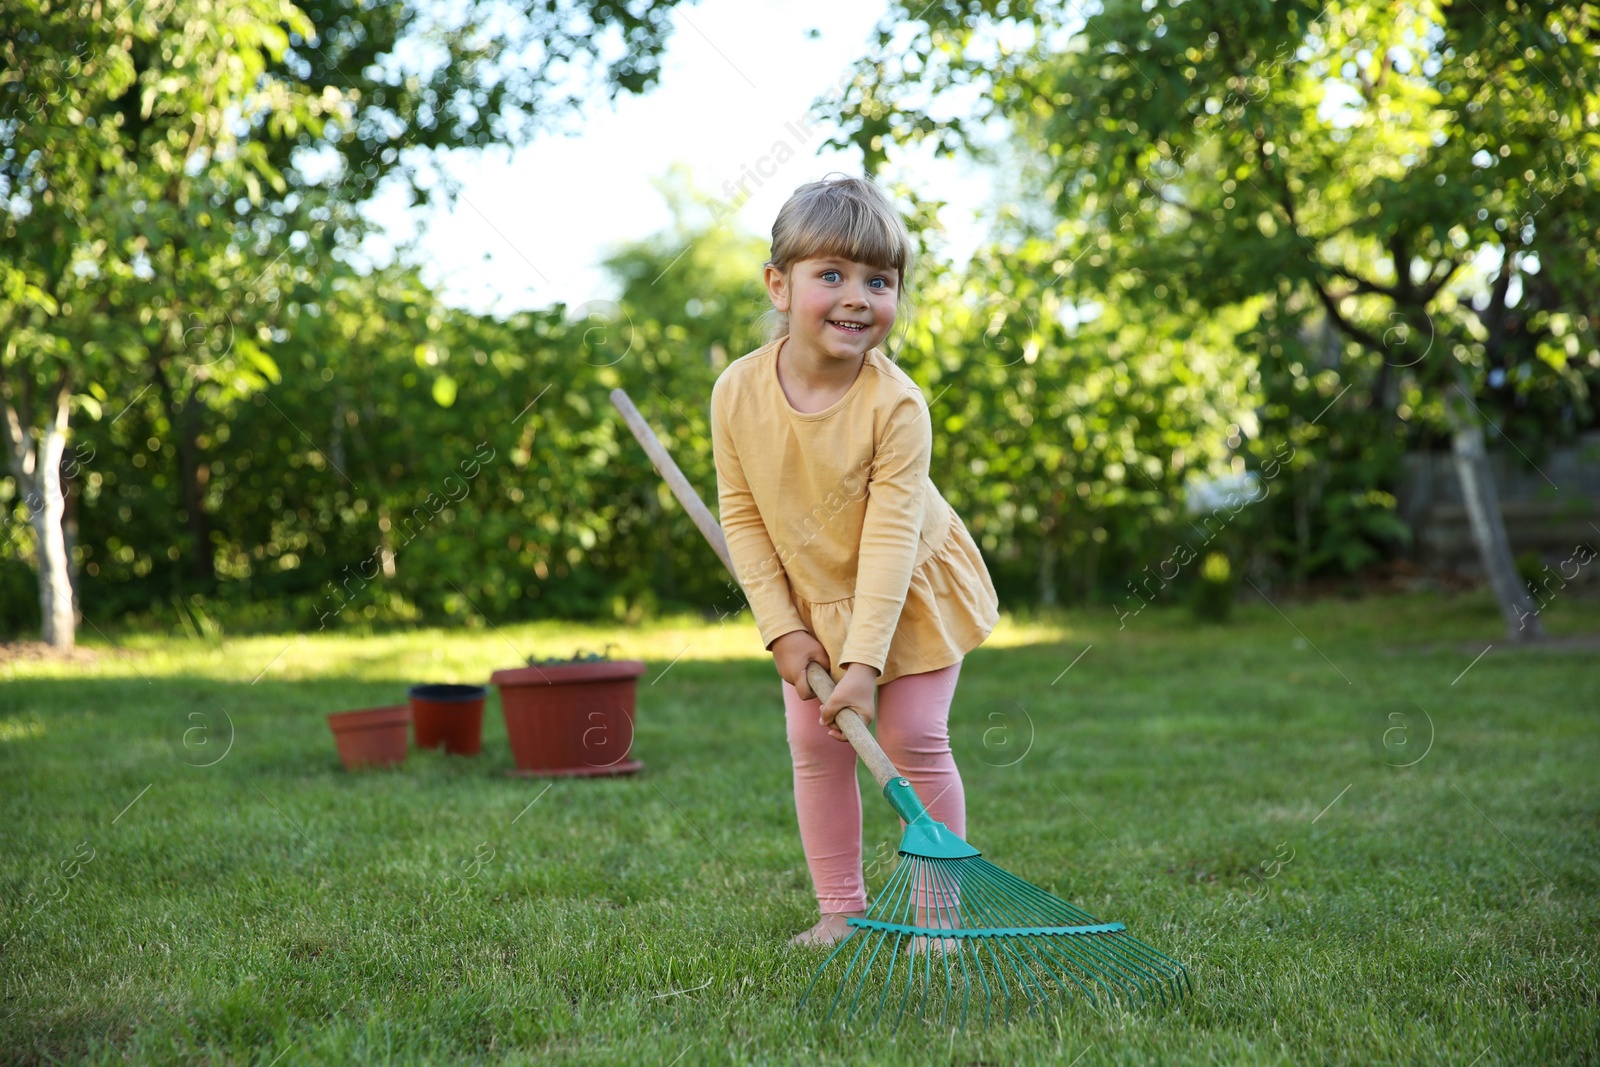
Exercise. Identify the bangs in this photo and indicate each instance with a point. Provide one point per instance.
(847, 230)
(849, 219)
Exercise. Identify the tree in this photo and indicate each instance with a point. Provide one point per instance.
(1064, 428)
(1424, 171)
(56, 334)
(161, 161)
(690, 301)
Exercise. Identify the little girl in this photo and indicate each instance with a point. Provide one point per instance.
(847, 552)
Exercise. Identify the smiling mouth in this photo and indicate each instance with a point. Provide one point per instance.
(848, 327)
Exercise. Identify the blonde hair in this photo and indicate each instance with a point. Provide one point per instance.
(839, 216)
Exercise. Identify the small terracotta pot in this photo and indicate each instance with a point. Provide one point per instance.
(374, 737)
(450, 716)
(571, 720)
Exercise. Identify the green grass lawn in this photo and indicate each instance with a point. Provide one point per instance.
(272, 908)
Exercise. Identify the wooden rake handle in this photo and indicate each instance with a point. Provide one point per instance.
(821, 682)
(675, 480)
(850, 724)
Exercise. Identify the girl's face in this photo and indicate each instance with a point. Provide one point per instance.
(837, 308)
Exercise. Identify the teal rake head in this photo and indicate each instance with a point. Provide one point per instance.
(954, 938)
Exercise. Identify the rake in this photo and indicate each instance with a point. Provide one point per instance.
(947, 916)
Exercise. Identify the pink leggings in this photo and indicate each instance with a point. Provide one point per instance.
(913, 728)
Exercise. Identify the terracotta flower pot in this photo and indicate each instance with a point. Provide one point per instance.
(450, 716)
(575, 719)
(374, 737)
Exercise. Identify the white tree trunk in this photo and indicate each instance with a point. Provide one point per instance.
(1488, 522)
(36, 465)
(55, 577)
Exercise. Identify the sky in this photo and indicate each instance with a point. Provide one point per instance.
(530, 228)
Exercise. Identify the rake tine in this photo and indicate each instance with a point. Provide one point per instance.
(1097, 956)
(860, 946)
(946, 915)
(903, 884)
(844, 982)
(1061, 950)
(945, 902)
(865, 940)
(1169, 972)
(1010, 919)
(919, 960)
(1090, 960)
(980, 905)
(1000, 973)
(1089, 952)
(1045, 965)
(912, 961)
(1128, 958)
(891, 894)
(983, 981)
(888, 981)
(1116, 954)
(1025, 976)
(836, 950)
(1173, 971)
(883, 938)
(950, 878)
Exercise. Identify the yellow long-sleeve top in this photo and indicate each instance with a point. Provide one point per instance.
(834, 525)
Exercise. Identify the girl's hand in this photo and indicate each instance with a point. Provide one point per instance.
(791, 653)
(858, 689)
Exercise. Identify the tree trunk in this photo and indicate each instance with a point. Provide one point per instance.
(196, 473)
(1488, 523)
(69, 535)
(1091, 567)
(1048, 551)
(1302, 530)
(192, 470)
(55, 578)
(36, 466)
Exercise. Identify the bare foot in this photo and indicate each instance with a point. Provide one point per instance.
(829, 930)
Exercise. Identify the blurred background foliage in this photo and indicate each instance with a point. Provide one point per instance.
(264, 435)
(415, 462)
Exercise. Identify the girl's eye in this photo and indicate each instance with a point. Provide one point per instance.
(879, 283)
(831, 275)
